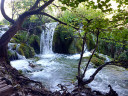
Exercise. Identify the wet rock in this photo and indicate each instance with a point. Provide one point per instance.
(26, 50)
(32, 65)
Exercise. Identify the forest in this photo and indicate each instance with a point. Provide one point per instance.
(64, 48)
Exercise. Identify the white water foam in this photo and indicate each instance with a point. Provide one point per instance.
(77, 56)
(107, 76)
(20, 64)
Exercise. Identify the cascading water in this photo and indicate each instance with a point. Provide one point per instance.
(47, 38)
(3, 29)
(54, 69)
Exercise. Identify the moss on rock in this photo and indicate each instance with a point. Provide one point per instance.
(29, 40)
(97, 60)
(62, 39)
(21, 52)
(26, 51)
(20, 37)
(75, 46)
(14, 47)
(37, 31)
(12, 55)
(34, 41)
(99, 56)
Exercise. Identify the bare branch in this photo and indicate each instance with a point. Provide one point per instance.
(45, 5)
(92, 54)
(35, 5)
(37, 11)
(100, 67)
(4, 14)
(81, 56)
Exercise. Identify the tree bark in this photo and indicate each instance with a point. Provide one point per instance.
(79, 64)
(3, 54)
(98, 32)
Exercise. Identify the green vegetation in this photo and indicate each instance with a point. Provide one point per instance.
(26, 51)
(12, 55)
(123, 56)
(76, 46)
(97, 60)
(62, 39)
(30, 41)
(28, 44)
(38, 31)
(34, 41)
(20, 37)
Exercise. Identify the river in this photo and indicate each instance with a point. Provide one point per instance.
(54, 69)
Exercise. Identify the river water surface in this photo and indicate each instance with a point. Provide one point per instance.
(54, 69)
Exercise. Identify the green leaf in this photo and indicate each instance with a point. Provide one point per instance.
(107, 1)
(63, 8)
(98, 1)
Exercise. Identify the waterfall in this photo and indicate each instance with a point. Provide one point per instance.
(47, 38)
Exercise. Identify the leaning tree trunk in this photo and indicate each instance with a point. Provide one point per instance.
(5, 39)
(3, 53)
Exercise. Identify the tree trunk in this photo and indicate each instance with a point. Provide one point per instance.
(4, 54)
